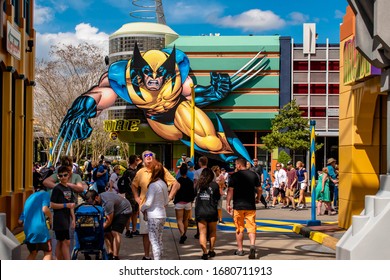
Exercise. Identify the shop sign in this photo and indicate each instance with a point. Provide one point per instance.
(13, 41)
(356, 67)
(121, 125)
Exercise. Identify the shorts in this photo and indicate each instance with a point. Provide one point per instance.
(290, 192)
(245, 219)
(39, 246)
(62, 235)
(302, 186)
(118, 223)
(185, 206)
(134, 206)
(276, 192)
(282, 193)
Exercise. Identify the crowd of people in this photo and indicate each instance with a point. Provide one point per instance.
(135, 202)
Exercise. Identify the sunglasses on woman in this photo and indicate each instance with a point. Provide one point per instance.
(148, 155)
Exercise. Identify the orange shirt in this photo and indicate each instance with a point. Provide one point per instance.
(142, 179)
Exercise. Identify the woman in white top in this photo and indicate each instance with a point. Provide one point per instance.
(279, 183)
(113, 183)
(154, 208)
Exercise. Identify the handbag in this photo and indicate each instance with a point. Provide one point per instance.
(145, 216)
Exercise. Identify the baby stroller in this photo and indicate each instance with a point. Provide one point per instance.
(89, 232)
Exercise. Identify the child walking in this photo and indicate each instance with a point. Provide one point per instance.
(62, 202)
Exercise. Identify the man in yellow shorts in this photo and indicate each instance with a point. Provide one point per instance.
(245, 190)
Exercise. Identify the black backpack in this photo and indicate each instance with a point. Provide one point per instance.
(124, 183)
(89, 167)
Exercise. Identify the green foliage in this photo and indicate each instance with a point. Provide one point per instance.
(284, 157)
(289, 130)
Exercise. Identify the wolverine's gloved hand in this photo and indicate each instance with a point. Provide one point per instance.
(221, 84)
(218, 89)
(75, 125)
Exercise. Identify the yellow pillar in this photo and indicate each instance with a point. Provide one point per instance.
(29, 139)
(6, 132)
(18, 168)
(192, 150)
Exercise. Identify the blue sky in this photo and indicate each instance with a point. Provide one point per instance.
(75, 21)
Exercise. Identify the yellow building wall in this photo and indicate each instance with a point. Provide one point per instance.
(16, 117)
(361, 143)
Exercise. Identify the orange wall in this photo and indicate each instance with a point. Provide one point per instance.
(362, 129)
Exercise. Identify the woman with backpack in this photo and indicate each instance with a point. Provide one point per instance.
(206, 211)
(183, 201)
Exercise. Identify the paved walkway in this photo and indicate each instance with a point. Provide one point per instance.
(282, 235)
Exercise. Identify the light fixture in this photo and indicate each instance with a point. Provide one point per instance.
(30, 44)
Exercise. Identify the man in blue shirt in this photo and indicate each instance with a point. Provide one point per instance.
(101, 178)
(36, 209)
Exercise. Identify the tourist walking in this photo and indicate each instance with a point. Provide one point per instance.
(241, 192)
(183, 202)
(206, 211)
(33, 218)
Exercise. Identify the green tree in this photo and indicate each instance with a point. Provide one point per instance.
(284, 157)
(289, 130)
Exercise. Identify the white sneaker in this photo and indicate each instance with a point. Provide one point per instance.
(300, 206)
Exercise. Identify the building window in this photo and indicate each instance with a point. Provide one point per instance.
(27, 15)
(334, 66)
(300, 89)
(16, 4)
(333, 89)
(317, 112)
(318, 65)
(318, 88)
(300, 66)
(246, 137)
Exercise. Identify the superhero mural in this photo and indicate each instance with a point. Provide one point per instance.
(158, 83)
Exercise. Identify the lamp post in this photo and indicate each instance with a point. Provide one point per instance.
(313, 221)
(117, 152)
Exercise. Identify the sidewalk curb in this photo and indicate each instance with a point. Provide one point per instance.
(319, 237)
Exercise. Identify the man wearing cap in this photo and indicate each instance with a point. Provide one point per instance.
(181, 160)
(334, 191)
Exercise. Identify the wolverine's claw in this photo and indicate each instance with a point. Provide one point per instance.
(235, 85)
(237, 81)
(243, 67)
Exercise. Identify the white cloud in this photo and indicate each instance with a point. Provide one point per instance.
(42, 14)
(252, 20)
(338, 14)
(84, 32)
(296, 18)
